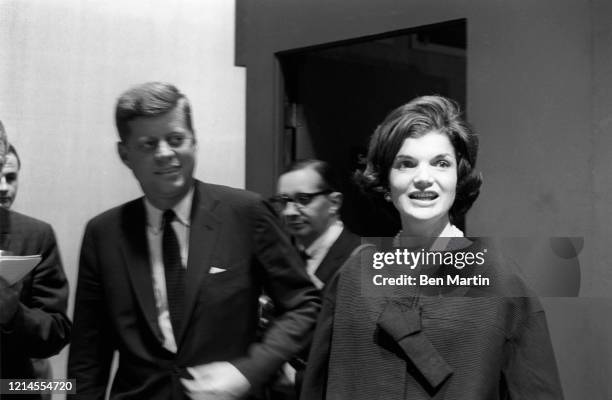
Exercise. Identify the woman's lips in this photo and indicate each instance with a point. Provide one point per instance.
(427, 195)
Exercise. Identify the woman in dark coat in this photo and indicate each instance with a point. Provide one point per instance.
(471, 330)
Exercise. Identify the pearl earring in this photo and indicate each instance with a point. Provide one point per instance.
(388, 196)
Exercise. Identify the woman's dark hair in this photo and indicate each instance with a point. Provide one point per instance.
(414, 119)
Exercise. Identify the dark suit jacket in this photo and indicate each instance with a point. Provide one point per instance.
(115, 308)
(40, 328)
(338, 253)
(336, 256)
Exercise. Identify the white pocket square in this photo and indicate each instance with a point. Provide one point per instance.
(215, 270)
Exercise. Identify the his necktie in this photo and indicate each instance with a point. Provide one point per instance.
(175, 273)
(303, 255)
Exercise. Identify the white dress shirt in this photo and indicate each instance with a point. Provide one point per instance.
(319, 248)
(181, 225)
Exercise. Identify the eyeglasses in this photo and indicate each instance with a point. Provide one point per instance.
(299, 199)
(173, 140)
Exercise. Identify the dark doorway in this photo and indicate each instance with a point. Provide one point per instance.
(336, 94)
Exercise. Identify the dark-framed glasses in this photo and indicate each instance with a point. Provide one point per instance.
(299, 199)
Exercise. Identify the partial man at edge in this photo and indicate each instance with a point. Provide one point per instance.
(9, 185)
(33, 321)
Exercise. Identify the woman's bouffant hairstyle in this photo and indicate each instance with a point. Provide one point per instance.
(414, 119)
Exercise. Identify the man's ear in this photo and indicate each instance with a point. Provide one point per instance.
(123, 154)
(336, 199)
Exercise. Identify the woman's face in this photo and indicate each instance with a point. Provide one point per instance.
(423, 178)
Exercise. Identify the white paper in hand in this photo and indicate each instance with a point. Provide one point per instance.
(13, 268)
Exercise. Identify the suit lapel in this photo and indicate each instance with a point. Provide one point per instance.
(135, 250)
(4, 229)
(335, 257)
(203, 235)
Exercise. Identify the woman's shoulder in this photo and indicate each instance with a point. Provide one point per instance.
(505, 276)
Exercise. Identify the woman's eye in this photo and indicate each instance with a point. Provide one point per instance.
(403, 164)
(442, 164)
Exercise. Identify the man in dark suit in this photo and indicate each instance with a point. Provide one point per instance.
(9, 184)
(309, 202)
(33, 321)
(172, 280)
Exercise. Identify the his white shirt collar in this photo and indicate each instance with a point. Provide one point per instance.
(318, 250)
(326, 240)
(182, 210)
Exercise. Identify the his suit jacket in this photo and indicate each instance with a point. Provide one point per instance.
(338, 253)
(230, 229)
(40, 327)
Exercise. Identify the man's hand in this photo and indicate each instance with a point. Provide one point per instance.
(9, 302)
(216, 381)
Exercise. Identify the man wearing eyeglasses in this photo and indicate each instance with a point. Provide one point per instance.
(172, 280)
(309, 203)
(308, 200)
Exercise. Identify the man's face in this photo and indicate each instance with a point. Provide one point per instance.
(9, 181)
(160, 151)
(306, 221)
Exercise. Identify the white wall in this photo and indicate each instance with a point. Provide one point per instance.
(62, 65)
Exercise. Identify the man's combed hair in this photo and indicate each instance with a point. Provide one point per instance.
(12, 150)
(328, 176)
(3, 142)
(149, 100)
(415, 119)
